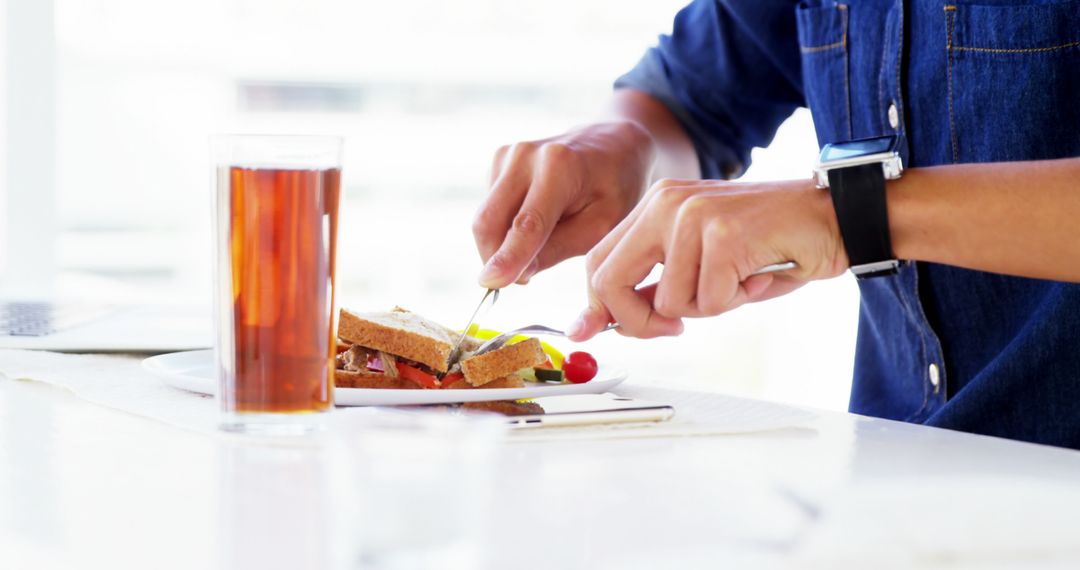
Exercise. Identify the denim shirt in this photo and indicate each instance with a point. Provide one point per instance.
(958, 82)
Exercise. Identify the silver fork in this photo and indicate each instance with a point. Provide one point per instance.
(499, 341)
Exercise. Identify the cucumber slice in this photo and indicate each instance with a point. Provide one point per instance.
(549, 375)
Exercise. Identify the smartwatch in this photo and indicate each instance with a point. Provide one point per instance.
(855, 173)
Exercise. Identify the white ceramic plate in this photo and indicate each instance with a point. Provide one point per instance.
(194, 371)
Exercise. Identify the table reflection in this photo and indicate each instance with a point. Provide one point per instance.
(31, 489)
(282, 506)
(379, 490)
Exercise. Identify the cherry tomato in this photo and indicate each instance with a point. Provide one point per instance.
(579, 367)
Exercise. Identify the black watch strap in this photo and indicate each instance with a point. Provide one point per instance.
(858, 196)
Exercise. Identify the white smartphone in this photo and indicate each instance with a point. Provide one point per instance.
(591, 409)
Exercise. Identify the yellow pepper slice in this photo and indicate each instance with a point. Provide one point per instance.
(487, 334)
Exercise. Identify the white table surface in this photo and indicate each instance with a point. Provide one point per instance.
(84, 486)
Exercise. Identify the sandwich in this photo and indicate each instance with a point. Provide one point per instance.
(402, 350)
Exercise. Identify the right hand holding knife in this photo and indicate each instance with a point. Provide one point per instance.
(555, 198)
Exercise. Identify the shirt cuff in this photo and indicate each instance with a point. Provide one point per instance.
(717, 159)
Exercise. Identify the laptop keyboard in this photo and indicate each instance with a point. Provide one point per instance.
(40, 319)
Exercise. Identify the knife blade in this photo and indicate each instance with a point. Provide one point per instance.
(455, 354)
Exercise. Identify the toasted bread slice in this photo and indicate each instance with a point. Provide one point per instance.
(480, 370)
(401, 333)
(506, 407)
(511, 381)
(346, 379)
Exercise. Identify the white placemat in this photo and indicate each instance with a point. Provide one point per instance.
(120, 382)
(116, 381)
(696, 414)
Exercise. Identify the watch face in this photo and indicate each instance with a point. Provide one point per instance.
(854, 149)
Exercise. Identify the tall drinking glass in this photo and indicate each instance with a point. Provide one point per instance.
(276, 219)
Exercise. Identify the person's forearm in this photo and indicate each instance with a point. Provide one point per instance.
(675, 154)
(1016, 218)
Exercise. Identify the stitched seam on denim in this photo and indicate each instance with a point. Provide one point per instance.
(816, 49)
(910, 314)
(1016, 50)
(847, 79)
(899, 59)
(949, 10)
(897, 283)
(882, 108)
(939, 353)
(922, 342)
(834, 45)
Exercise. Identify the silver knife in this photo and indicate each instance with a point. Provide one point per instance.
(773, 268)
(455, 354)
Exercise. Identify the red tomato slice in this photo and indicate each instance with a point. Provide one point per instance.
(579, 367)
(451, 378)
(422, 378)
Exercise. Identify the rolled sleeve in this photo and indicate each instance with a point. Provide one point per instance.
(730, 74)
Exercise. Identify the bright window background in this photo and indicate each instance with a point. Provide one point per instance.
(424, 92)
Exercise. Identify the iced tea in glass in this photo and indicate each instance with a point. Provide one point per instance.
(276, 216)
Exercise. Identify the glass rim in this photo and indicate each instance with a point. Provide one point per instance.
(277, 151)
(276, 136)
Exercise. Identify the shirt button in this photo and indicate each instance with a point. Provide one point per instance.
(935, 376)
(894, 116)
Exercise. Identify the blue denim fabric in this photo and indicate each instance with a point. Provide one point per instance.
(982, 81)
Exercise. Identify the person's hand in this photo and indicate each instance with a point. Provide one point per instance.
(555, 198)
(710, 237)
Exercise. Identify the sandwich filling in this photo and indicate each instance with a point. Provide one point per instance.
(359, 358)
